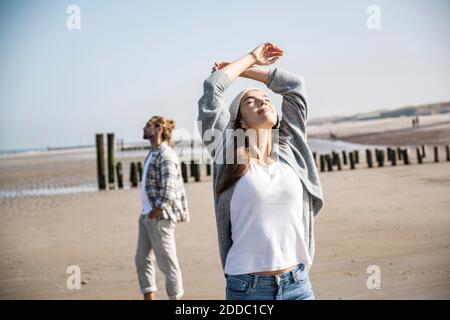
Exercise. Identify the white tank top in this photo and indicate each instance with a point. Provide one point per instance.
(266, 220)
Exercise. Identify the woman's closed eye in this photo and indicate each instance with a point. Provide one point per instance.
(250, 101)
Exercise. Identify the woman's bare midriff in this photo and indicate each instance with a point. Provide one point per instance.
(275, 272)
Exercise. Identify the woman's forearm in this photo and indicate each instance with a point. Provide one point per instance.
(237, 67)
(258, 74)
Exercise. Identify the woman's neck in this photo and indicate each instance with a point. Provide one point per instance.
(260, 146)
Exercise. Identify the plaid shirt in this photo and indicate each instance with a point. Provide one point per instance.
(164, 184)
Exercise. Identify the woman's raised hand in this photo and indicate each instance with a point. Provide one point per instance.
(263, 55)
(219, 65)
(266, 54)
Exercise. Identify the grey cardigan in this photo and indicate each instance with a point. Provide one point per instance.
(213, 115)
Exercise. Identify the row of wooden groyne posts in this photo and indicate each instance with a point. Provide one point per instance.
(115, 170)
(377, 157)
(325, 162)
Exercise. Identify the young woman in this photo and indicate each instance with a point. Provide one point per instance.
(265, 205)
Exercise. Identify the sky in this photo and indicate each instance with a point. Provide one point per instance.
(131, 60)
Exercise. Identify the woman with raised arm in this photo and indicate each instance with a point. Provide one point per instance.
(265, 205)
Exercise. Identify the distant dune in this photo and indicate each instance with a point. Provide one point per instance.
(410, 111)
(396, 131)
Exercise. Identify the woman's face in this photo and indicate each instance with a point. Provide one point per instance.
(257, 111)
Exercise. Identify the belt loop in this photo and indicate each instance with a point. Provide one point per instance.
(255, 280)
(294, 276)
(277, 279)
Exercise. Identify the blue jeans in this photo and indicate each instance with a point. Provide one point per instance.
(291, 285)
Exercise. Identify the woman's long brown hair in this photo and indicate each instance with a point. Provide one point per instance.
(233, 172)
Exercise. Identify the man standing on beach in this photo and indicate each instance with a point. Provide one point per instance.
(164, 204)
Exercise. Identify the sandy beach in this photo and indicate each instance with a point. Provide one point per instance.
(397, 218)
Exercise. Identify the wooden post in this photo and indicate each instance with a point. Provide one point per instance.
(419, 156)
(101, 178)
(184, 172)
(139, 169)
(344, 157)
(423, 151)
(447, 152)
(389, 154)
(111, 176)
(119, 175)
(333, 158)
(329, 162)
(393, 157)
(356, 156)
(192, 168)
(400, 153)
(405, 156)
(369, 158)
(322, 163)
(197, 172)
(338, 162)
(352, 160)
(133, 175)
(436, 154)
(381, 162)
(208, 169)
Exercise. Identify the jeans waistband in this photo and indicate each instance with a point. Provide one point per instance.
(284, 275)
